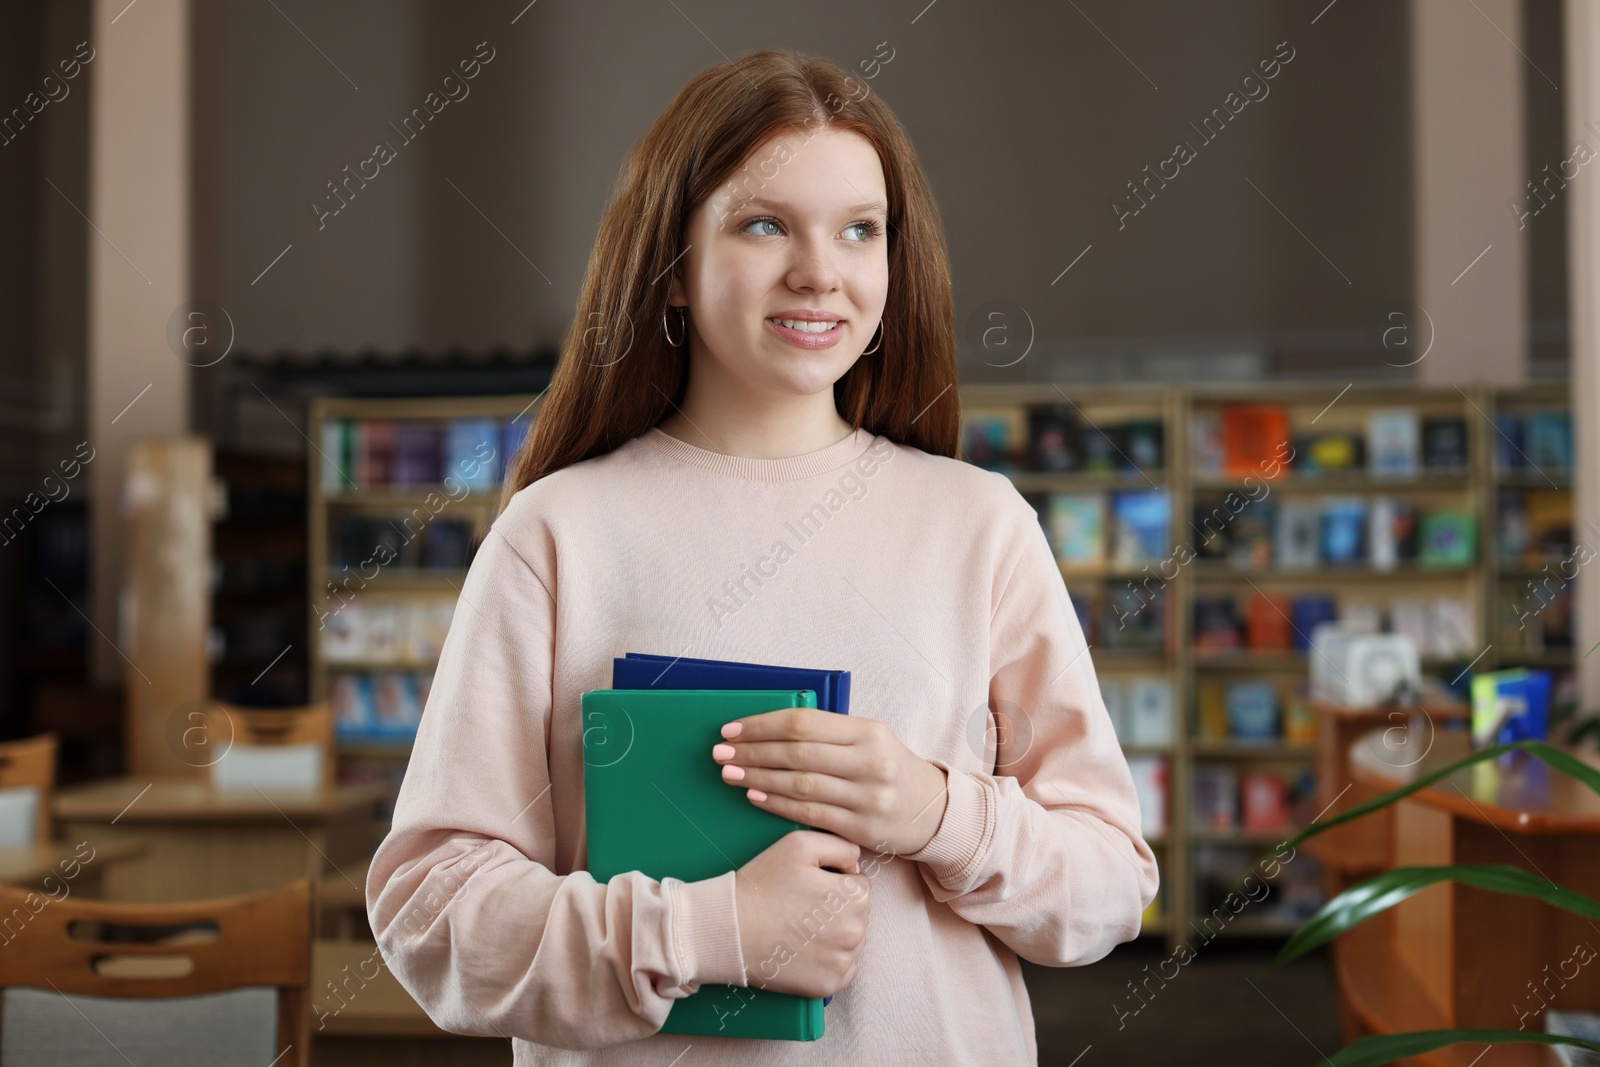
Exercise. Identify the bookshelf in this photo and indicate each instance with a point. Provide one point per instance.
(1496, 529)
(400, 494)
(1155, 440)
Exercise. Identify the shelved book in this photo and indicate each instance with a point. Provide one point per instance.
(1394, 443)
(380, 453)
(1140, 708)
(650, 787)
(1140, 523)
(378, 706)
(1150, 786)
(1077, 530)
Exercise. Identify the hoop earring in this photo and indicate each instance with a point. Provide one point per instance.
(879, 334)
(683, 321)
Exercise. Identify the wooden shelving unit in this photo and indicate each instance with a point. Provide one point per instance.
(408, 508)
(1489, 582)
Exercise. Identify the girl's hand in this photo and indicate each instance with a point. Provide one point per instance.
(840, 773)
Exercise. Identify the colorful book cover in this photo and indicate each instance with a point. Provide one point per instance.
(1254, 437)
(1054, 442)
(1344, 530)
(1216, 799)
(472, 454)
(1250, 536)
(338, 475)
(1394, 445)
(1216, 624)
(1307, 612)
(376, 462)
(1548, 514)
(1077, 523)
(1141, 519)
(1549, 435)
(1448, 538)
(396, 706)
(416, 453)
(992, 438)
(350, 696)
(1148, 714)
(1145, 444)
(1263, 802)
(1252, 710)
(1508, 450)
(1267, 623)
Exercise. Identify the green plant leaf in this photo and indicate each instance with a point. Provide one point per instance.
(1382, 891)
(1377, 1049)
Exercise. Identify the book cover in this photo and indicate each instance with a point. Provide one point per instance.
(337, 473)
(1305, 612)
(397, 710)
(1140, 527)
(472, 453)
(377, 454)
(1508, 452)
(1444, 444)
(1511, 525)
(651, 790)
(1054, 439)
(1250, 543)
(416, 453)
(1205, 442)
(1263, 801)
(1145, 444)
(1394, 445)
(1549, 440)
(1266, 623)
(1447, 538)
(1252, 437)
(1077, 528)
(1211, 709)
(1299, 535)
(1135, 619)
(992, 438)
(1252, 710)
(1216, 799)
(1330, 450)
(1210, 524)
(351, 698)
(1344, 530)
(1548, 514)
(1148, 714)
(1216, 624)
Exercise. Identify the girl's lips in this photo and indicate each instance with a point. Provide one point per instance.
(801, 339)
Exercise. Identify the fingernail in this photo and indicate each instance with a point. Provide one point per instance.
(756, 794)
(722, 752)
(731, 730)
(731, 773)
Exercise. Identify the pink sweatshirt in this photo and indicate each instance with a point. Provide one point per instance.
(927, 578)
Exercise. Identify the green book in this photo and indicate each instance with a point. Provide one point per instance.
(655, 802)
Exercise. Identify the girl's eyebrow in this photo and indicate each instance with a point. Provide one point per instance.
(778, 205)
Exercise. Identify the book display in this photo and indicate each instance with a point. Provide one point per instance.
(1441, 514)
(401, 493)
(1202, 533)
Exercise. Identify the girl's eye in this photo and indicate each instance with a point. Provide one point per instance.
(762, 222)
(871, 227)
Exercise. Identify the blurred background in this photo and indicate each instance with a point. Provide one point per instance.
(1282, 314)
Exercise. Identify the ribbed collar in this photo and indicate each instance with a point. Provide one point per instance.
(785, 469)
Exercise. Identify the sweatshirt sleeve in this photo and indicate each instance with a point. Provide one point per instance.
(466, 906)
(1047, 852)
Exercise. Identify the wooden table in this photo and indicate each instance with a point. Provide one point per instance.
(78, 867)
(1453, 955)
(1356, 850)
(202, 843)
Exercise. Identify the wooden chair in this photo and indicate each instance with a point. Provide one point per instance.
(232, 727)
(78, 980)
(31, 763)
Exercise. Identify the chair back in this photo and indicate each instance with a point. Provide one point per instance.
(273, 749)
(200, 982)
(27, 781)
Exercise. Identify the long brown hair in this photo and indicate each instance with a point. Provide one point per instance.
(617, 376)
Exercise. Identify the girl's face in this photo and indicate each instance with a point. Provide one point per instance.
(798, 232)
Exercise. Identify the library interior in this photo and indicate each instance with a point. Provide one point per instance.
(1312, 436)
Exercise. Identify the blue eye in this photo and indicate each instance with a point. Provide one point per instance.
(763, 219)
(870, 225)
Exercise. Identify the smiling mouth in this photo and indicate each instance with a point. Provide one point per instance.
(806, 326)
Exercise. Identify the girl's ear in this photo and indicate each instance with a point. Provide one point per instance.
(675, 293)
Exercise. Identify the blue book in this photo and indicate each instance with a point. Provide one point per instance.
(641, 670)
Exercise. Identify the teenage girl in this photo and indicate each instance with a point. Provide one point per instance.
(747, 453)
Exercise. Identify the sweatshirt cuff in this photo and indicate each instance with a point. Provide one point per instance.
(705, 931)
(964, 833)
